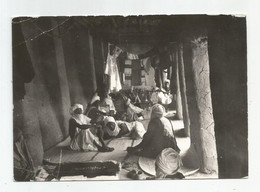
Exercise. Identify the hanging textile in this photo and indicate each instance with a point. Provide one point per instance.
(128, 73)
(136, 72)
(146, 64)
(112, 70)
(121, 61)
(158, 78)
(131, 56)
(148, 76)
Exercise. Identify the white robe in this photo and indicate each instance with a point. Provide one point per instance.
(112, 70)
(84, 139)
(135, 128)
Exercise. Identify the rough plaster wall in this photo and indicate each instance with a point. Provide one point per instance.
(63, 86)
(60, 79)
(37, 114)
(43, 94)
(83, 62)
(75, 87)
(99, 60)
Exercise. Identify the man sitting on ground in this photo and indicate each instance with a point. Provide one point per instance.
(167, 164)
(117, 129)
(159, 135)
(84, 135)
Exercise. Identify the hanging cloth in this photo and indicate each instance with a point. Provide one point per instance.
(112, 70)
(149, 72)
(131, 56)
(146, 64)
(158, 77)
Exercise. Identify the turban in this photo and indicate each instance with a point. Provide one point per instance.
(95, 98)
(79, 118)
(168, 161)
(74, 107)
(112, 120)
(108, 119)
(158, 111)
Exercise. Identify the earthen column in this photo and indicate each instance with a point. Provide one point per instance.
(186, 119)
(196, 63)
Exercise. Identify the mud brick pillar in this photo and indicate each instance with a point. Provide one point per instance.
(177, 84)
(186, 118)
(196, 63)
(92, 62)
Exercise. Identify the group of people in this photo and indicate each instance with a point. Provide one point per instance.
(158, 141)
(162, 96)
(88, 134)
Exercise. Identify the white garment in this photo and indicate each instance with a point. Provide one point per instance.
(113, 133)
(146, 62)
(107, 105)
(154, 97)
(164, 98)
(131, 56)
(134, 108)
(83, 139)
(135, 128)
(95, 98)
(160, 97)
(168, 130)
(149, 72)
(112, 70)
(168, 162)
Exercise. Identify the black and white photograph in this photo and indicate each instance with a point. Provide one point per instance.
(130, 97)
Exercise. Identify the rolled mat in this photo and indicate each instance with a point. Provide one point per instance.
(88, 169)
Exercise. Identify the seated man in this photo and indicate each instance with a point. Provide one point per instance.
(106, 104)
(118, 129)
(93, 108)
(161, 96)
(159, 135)
(135, 129)
(126, 111)
(85, 136)
(167, 164)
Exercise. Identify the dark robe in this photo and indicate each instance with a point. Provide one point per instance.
(155, 140)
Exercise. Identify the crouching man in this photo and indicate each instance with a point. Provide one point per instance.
(84, 135)
(117, 129)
